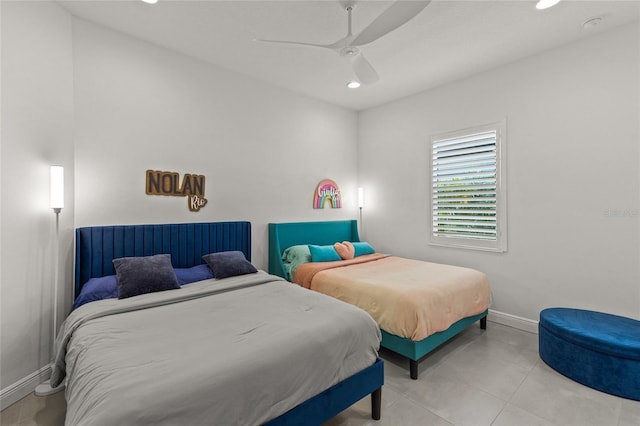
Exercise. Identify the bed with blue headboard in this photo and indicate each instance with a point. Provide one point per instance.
(97, 246)
(224, 304)
(285, 235)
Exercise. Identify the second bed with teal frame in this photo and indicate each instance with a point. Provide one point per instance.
(284, 235)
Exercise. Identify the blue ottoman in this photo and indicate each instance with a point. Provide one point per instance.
(599, 350)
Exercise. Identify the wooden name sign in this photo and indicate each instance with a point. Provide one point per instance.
(168, 183)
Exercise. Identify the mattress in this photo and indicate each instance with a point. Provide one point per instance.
(409, 298)
(241, 350)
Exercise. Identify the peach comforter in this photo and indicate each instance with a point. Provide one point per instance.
(408, 298)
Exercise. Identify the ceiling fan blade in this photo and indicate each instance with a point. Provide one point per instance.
(364, 70)
(297, 43)
(395, 16)
(343, 42)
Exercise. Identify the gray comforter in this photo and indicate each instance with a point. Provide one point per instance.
(242, 350)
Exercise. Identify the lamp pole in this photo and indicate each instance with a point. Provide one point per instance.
(360, 205)
(57, 203)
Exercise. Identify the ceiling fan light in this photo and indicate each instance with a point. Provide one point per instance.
(545, 4)
(150, 1)
(353, 84)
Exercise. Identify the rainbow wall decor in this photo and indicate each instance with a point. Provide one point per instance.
(327, 190)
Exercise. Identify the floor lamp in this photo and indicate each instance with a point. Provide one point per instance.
(57, 203)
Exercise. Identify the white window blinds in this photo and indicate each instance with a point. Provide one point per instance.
(465, 189)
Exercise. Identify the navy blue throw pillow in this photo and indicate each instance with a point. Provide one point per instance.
(193, 274)
(141, 275)
(97, 289)
(225, 264)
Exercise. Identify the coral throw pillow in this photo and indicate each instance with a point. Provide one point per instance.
(345, 249)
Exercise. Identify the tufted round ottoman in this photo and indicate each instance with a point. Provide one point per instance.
(599, 350)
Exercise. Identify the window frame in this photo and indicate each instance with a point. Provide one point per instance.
(500, 243)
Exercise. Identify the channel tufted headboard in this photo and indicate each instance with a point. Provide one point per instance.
(97, 246)
(284, 235)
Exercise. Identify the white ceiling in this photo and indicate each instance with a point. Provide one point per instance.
(449, 40)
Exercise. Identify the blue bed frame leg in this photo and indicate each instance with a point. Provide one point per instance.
(483, 323)
(376, 404)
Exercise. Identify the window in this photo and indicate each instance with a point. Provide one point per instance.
(468, 189)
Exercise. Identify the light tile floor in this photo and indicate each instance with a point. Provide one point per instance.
(491, 377)
(482, 377)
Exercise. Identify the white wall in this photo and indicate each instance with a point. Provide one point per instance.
(37, 119)
(137, 107)
(572, 112)
(262, 149)
(573, 120)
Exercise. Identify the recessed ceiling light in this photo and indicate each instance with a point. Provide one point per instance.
(353, 85)
(150, 1)
(546, 4)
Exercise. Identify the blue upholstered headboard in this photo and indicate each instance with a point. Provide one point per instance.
(97, 246)
(283, 235)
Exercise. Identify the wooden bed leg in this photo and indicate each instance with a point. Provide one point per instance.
(483, 323)
(376, 404)
(413, 369)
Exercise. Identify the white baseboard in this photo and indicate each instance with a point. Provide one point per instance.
(514, 321)
(15, 392)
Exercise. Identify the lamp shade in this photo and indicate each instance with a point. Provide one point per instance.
(360, 197)
(57, 187)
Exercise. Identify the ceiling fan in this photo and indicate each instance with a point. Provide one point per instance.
(349, 46)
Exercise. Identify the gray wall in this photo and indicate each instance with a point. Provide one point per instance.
(262, 149)
(137, 107)
(572, 167)
(37, 132)
(108, 107)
